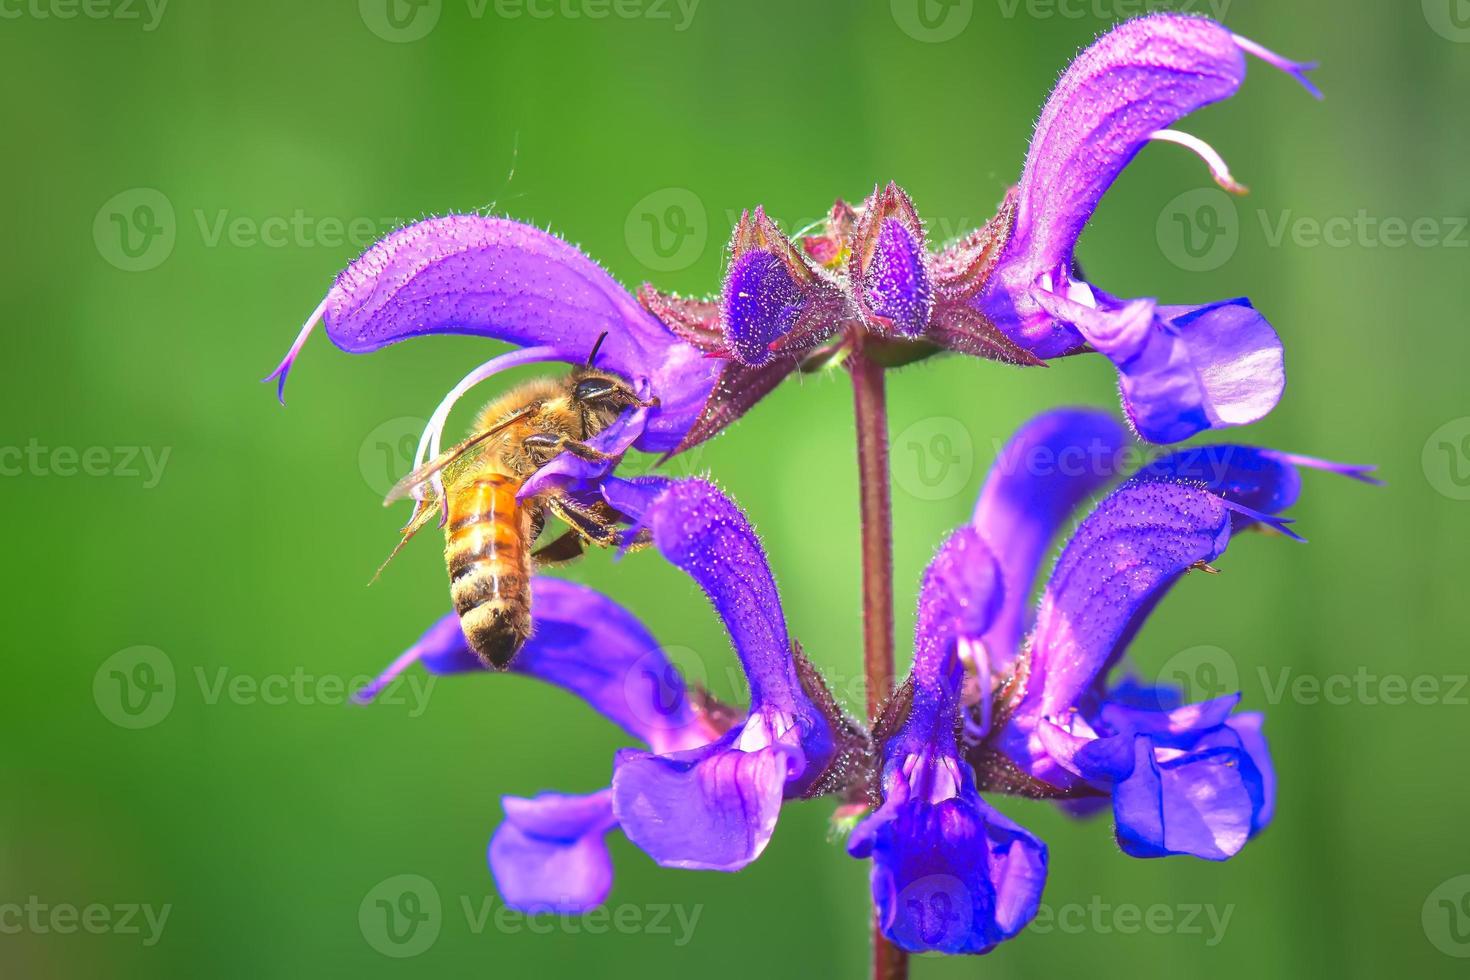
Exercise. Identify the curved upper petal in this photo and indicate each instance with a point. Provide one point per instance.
(1046, 471)
(703, 533)
(551, 854)
(1141, 77)
(497, 278)
(1263, 480)
(1134, 544)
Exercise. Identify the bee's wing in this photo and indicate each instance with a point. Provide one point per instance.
(405, 486)
(421, 516)
(453, 464)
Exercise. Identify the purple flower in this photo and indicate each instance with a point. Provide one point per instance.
(1183, 779)
(551, 851)
(1010, 291)
(1182, 369)
(708, 792)
(500, 279)
(950, 873)
(715, 807)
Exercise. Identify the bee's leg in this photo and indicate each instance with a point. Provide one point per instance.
(543, 446)
(566, 547)
(585, 521)
(642, 539)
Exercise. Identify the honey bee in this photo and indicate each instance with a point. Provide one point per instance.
(489, 535)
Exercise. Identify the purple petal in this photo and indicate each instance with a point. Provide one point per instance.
(959, 597)
(954, 877)
(598, 650)
(896, 286)
(1128, 551)
(1183, 369)
(442, 650)
(1139, 539)
(701, 531)
(1201, 802)
(1139, 78)
(761, 303)
(1189, 780)
(1247, 728)
(496, 278)
(1050, 466)
(712, 808)
(1182, 720)
(589, 645)
(550, 854)
(1262, 480)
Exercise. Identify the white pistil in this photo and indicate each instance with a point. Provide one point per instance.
(1219, 169)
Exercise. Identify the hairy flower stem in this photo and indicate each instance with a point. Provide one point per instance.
(871, 412)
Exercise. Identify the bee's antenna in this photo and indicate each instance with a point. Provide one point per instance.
(592, 357)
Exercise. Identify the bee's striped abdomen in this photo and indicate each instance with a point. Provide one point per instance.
(487, 550)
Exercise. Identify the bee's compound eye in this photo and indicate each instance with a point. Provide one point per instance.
(592, 389)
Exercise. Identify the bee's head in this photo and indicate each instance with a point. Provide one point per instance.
(598, 389)
(601, 396)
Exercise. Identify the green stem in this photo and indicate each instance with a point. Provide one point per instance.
(871, 414)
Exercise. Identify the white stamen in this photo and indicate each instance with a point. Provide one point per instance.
(1219, 169)
(429, 442)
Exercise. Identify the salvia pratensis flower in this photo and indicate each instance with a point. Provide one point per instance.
(708, 791)
(950, 873)
(551, 850)
(1182, 369)
(715, 807)
(1183, 779)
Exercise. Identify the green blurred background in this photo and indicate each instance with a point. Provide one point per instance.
(179, 191)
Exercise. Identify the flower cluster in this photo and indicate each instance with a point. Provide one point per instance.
(1004, 697)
